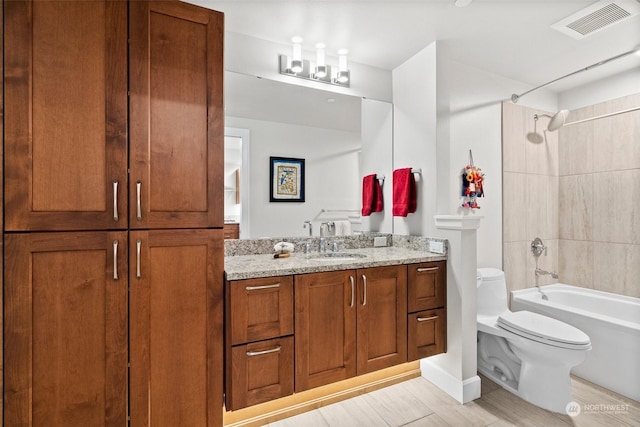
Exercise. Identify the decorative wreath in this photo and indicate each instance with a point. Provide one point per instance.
(472, 184)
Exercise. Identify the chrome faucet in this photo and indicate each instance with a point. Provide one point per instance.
(310, 227)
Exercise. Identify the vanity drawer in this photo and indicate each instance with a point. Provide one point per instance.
(260, 371)
(260, 308)
(427, 333)
(427, 286)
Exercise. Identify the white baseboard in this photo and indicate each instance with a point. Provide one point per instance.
(462, 390)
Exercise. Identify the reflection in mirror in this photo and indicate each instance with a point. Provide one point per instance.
(322, 127)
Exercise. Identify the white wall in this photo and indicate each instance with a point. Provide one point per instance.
(414, 141)
(332, 174)
(617, 86)
(377, 157)
(442, 109)
(476, 124)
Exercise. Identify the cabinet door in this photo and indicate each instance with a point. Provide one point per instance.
(65, 329)
(65, 115)
(325, 328)
(176, 302)
(261, 371)
(260, 309)
(427, 333)
(427, 285)
(177, 117)
(382, 317)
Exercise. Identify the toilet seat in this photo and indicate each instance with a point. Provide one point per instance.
(544, 329)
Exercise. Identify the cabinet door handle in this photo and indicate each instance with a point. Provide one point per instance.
(258, 353)
(257, 288)
(423, 269)
(138, 205)
(424, 319)
(115, 200)
(138, 247)
(364, 298)
(115, 260)
(353, 291)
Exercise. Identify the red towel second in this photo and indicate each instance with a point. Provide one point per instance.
(404, 192)
(371, 195)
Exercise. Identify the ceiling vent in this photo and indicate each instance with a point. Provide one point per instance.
(596, 17)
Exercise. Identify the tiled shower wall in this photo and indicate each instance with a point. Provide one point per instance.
(599, 193)
(581, 196)
(530, 194)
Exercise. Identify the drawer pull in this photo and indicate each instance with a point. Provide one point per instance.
(257, 288)
(424, 319)
(258, 353)
(423, 269)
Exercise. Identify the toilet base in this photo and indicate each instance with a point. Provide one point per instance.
(541, 377)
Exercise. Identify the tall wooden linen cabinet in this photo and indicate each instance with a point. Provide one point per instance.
(113, 213)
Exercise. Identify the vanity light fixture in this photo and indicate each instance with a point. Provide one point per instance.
(320, 71)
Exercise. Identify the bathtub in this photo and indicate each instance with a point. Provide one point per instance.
(611, 321)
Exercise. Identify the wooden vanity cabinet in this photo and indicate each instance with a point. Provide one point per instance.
(349, 323)
(259, 349)
(426, 320)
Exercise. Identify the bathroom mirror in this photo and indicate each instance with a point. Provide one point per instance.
(322, 127)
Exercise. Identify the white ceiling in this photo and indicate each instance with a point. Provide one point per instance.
(511, 38)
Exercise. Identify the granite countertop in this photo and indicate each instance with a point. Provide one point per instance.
(264, 265)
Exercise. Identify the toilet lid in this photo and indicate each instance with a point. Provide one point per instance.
(544, 329)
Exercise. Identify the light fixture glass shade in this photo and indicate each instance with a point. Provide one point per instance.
(343, 69)
(296, 58)
(321, 68)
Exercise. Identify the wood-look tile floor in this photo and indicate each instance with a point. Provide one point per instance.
(417, 403)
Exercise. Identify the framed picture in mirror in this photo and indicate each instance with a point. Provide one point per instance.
(286, 183)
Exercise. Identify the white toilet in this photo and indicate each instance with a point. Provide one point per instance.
(529, 354)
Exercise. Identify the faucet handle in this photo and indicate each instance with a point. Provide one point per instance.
(335, 245)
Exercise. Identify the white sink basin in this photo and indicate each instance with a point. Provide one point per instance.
(335, 256)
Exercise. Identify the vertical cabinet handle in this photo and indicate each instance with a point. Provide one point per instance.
(115, 260)
(115, 200)
(138, 205)
(353, 291)
(138, 245)
(364, 298)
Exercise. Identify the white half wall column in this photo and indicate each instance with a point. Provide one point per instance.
(455, 371)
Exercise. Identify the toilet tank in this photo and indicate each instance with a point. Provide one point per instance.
(492, 292)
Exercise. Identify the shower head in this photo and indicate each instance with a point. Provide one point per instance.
(557, 120)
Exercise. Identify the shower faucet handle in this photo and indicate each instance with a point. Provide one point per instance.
(537, 247)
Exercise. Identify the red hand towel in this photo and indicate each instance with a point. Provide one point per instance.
(378, 203)
(368, 193)
(404, 192)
